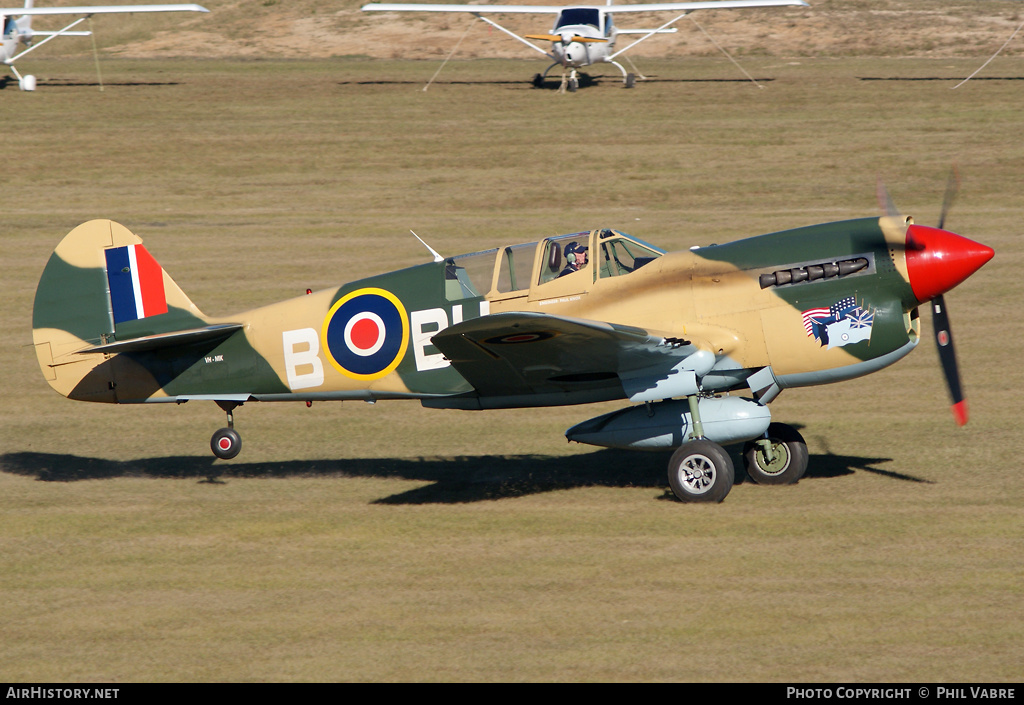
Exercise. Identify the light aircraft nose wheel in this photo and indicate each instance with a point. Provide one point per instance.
(226, 443)
(779, 459)
(700, 471)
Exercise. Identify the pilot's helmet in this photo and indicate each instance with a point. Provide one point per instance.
(574, 247)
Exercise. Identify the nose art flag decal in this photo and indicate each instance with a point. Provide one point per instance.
(843, 323)
(136, 283)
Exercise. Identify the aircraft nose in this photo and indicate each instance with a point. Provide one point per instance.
(938, 260)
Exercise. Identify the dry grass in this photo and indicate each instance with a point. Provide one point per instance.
(351, 542)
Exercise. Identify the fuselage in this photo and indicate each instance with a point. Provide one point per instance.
(588, 24)
(812, 305)
(15, 32)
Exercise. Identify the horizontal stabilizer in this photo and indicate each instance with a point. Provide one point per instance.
(167, 340)
(670, 30)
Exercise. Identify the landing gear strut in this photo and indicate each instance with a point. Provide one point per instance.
(226, 443)
(780, 458)
(700, 470)
(572, 82)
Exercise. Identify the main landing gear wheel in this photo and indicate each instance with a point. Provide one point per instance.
(701, 471)
(630, 80)
(783, 463)
(538, 80)
(226, 443)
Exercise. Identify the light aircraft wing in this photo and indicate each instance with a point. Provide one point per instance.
(555, 9)
(522, 354)
(99, 9)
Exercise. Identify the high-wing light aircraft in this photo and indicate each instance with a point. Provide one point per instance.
(19, 31)
(582, 34)
(700, 341)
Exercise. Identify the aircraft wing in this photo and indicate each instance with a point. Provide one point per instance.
(555, 9)
(98, 9)
(529, 355)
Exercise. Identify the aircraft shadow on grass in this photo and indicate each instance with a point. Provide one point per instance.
(6, 81)
(552, 83)
(455, 480)
(938, 78)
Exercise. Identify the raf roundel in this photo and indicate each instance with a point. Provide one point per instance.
(365, 333)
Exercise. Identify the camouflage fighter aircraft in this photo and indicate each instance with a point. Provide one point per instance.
(582, 35)
(700, 341)
(18, 31)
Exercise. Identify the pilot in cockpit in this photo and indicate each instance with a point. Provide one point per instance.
(575, 258)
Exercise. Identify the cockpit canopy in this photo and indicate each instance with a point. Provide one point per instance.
(588, 256)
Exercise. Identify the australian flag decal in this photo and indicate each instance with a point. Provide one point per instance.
(842, 323)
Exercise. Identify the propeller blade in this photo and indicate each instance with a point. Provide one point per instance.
(947, 356)
(558, 38)
(885, 202)
(952, 187)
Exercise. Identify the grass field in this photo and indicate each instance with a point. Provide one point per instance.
(389, 542)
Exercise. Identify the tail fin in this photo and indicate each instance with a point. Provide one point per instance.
(100, 286)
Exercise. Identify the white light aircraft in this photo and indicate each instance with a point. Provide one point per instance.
(583, 34)
(19, 31)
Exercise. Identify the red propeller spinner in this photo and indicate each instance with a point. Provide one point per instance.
(938, 260)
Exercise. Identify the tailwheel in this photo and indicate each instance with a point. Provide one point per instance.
(701, 471)
(780, 458)
(226, 443)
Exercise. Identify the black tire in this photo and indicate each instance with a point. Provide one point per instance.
(226, 443)
(630, 80)
(574, 83)
(790, 457)
(701, 471)
(538, 80)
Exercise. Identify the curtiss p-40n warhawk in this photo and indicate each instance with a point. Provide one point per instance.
(700, 341)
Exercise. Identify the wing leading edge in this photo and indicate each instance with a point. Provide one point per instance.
(99, 9)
